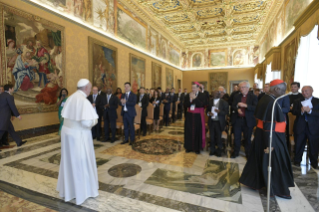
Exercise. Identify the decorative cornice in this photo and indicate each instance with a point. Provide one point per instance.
(272, 51)
(310, 10)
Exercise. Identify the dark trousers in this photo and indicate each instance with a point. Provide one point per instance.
(12, 132)
(313, 144)
(215, 136)
(185, 112)
(166, 116)
(173, 113)
(109, 122)
(4, 139)
(129, 129)
(241, 127)
(179, 111)
(96, 130)
(143, 125)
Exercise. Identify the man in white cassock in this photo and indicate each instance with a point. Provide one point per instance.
(78, 172)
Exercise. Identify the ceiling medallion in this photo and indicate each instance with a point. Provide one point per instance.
(210, 13)
(189, 36)
(176, 19)
(246, 20)
(183, 29)
(243, 30)
(203, 3)
(217, 33)
(249, 7)
(166, 6)
(213, 25)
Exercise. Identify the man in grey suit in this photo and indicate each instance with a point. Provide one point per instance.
(217, 119)
(8, 109)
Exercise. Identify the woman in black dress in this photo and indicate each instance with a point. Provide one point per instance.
(156, 101)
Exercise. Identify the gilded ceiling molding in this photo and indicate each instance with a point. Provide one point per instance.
(213, 25)
(180, 29)
(248, 7)
(310, 10)
(203, 3)
(217, 33)
(273, 11)
(246, 20)
(162, 7)
(210, 13)
(176, 19)
(243, 30)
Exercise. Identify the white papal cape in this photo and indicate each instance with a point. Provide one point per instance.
(78, 173)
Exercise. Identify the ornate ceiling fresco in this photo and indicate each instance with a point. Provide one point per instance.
(199, 24)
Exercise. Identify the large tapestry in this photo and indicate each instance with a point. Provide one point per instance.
(32, 59)
(169, 78)
(156, 75)
(217, 79)
(293, 9)
(137, 72)
(289, 64)
(130, 28)
(217, 58)
(102, 64)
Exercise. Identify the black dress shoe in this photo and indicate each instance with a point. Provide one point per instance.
(233, 155)
(124, 142)
(187, 151)
(284, 197)
(23, 142)
(218, 154)
(211, 153)
(98, 139)
(112, 141)
(297, 164)
(94, 137)
(197, 152)
(6, 144)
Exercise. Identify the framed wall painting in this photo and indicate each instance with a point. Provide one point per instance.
(102, 64)
(217, 79)
(156, 75)
(32, 59)
(137, 72)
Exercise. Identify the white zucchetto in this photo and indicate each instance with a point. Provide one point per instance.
(82, 83)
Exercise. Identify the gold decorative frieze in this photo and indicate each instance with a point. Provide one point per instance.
(243, 36)
(243, 30)
(216, 33)
(217, 39)
(189, 36)
(176, 19)
(245, 20)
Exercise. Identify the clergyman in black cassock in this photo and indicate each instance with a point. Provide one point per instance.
(194, 131)
(255, 173)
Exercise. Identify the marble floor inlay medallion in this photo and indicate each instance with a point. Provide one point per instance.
(158, 146)
(219, 180)
(124, 170)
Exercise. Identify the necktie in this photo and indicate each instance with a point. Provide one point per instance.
(141, 97)
(94, 98)
(126, 96)
(108, 98)
(306, 117)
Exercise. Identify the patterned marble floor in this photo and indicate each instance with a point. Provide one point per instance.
(155, 174)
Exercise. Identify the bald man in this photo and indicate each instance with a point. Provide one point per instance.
(95, 100)
(306, 126)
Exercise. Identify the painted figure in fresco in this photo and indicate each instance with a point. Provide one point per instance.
(42, 56)
(78, 7)
(11, 56)
(197, 60)
(238, 58)
(31, 47)
(48, 94)
(23, 71)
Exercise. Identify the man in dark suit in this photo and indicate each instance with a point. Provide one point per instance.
(255, 86)
(294, 87)
(128, 102)
(95, 100)
(243, 121)
(266, 90)
(142, 101)
(8, 109)
(180, 101)
(167, 106)
(173, 100)
(183, 99)
(161, 95)
(109, 104)
(306, 126)
(4, 139)
(217, 122)
(202, 87)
